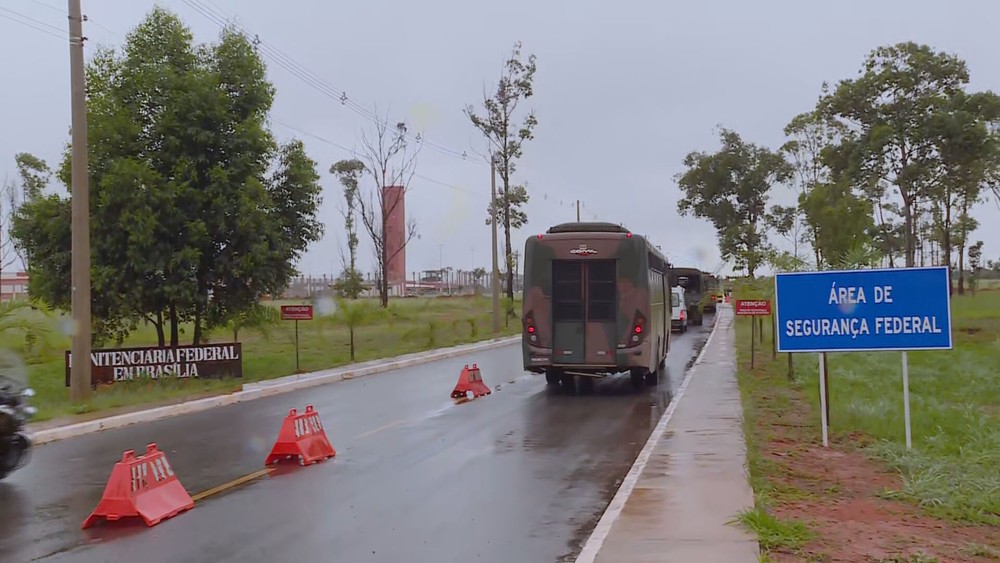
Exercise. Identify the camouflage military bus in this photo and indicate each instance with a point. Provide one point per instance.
(596, 303)
(713, 292)
(694, 283)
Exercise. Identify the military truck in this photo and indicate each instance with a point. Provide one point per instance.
(713, 292)
(693, 282)
(596, 303)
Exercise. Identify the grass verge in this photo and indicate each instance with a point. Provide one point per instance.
(407, 326)
(866, 496)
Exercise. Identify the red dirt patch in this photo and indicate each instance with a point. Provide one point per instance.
(835, 492)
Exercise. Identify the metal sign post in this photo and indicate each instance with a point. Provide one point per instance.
(898, 309)
(824, 417)
(296, 313)
(753, 308)
(906, 399)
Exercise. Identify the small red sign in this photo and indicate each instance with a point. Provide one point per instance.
(296, 312)
(753, 307)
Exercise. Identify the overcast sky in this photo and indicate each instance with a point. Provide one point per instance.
(623, 91)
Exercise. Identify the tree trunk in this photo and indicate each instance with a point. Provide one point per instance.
(383, 285)
(350, 331)
(174, 329)
(946, 240)
(908, 227)
(961, 269)
(508, 251)
(161, 339)
(197, 329)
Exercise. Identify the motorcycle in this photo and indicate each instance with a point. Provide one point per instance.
(15, 444)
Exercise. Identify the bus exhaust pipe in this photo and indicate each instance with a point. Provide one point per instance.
(581, 374)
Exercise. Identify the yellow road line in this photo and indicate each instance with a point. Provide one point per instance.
(231, 484)
(380, 429)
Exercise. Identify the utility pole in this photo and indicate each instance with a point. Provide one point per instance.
(80, 382)
(495, 284)
(577, 211)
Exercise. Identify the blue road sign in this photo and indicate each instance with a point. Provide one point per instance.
(859, 310)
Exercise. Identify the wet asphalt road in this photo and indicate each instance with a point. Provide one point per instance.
(520, 475)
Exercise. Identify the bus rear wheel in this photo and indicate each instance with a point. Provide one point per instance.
(638, 377)
(569, 382)
(652, 378)
(552, 377)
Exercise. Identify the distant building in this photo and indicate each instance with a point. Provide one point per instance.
(13, 285)
(394, 200)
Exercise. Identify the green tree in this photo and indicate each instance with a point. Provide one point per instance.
(506, 139)
(350, 283)
(968, 157)
(975, 263)
(477, 278)
(730, 188)
(35, 175)
(258, 317)
(841, 221)
(888, 109)
(810, 138)
(348, 172)
(354, 313)
(195, 211)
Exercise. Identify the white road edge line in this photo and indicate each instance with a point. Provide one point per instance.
(263, 389)
(614, 509)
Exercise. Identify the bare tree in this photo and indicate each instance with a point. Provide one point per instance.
(388, 161)
(506, 137)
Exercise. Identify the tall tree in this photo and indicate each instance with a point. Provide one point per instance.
(498, 123)
(975, 263)
(389, 162)
(348, 172)
(34, 175)
(842, 222)
(810, 137)
(968, 158)
(888, 108)
(196, 211)
(730, 188)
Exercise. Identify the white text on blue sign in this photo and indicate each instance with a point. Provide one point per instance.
(863, 310)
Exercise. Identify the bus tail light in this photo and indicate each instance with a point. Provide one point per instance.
(638, 329)
(529, 328)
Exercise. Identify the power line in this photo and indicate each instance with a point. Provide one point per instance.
(31, 22)
(220, 18)
(63, 11)
(354, 153)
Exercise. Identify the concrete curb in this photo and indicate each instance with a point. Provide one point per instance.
(595, 541)
(268, 388)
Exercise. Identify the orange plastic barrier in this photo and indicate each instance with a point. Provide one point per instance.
(302, 436)
(143, 486)
(470, 380)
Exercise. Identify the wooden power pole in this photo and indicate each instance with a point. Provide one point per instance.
(80, 382)
(495, 284)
